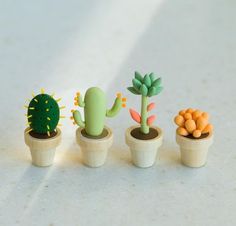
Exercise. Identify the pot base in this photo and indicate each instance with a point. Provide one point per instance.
(143, 152)
(94, 150)
(194, 160)
(143, 160)
(42, 158)
(194, 151)
(42, 150)
(94, 159)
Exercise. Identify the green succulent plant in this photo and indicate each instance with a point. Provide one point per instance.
(146, 86)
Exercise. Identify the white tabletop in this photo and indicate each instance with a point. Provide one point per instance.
(66, 46)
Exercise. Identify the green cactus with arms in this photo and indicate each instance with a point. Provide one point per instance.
(146, 86)
(43, 114)
(95, 111)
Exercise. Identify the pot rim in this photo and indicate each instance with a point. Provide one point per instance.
(194, 144)
(42, 144)
(159, 130)
(186, 139)
(43, 140)
(94, 140)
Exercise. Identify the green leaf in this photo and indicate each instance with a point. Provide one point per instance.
(157, 82)
(152, 77)
(133, 90)
(136, 84)
(138, 76)
(147, 81)
(158, 90)
(151, 91)
(144, 90)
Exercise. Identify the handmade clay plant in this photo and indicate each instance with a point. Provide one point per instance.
(42, 135)
(92, 135)
(145, 139)
(194, 135)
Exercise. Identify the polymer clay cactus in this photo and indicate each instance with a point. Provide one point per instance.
(43, 114)
(42, 135)
(95, 110)
(146, 86)
(193, 123)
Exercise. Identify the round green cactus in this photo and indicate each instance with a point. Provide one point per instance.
(43, 114)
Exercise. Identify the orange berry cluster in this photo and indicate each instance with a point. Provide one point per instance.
(191, 121)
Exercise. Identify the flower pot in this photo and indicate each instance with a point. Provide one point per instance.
(143, 152)
(194, 151)
(94, 149)
(42, 150)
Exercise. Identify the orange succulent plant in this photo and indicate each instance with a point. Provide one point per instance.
(193, 122)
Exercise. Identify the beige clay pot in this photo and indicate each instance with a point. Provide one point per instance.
(194, 151)
(94, 151)
(143, 152)
(42, 150)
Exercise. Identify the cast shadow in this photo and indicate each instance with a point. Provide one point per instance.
(169, 155)
(26, 192)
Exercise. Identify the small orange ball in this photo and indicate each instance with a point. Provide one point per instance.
(208, 129)
(205, 115)
(190, 110)
(187, 116)
(197, 133)
(196, 114)
(182, 131)
(182, 112)
(201, 123)
(190, 125)
(179, 120)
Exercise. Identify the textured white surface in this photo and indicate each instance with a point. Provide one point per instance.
(67, 46)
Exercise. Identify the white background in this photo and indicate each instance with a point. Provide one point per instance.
(68, 46)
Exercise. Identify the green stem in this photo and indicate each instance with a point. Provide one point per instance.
(144, 126)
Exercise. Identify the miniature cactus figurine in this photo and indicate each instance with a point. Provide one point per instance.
(43, 114)
(146, 86)
(145, 140)
(95, 111)
(93, 136)
(42, 135)
(193, 122)
(194, 135)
